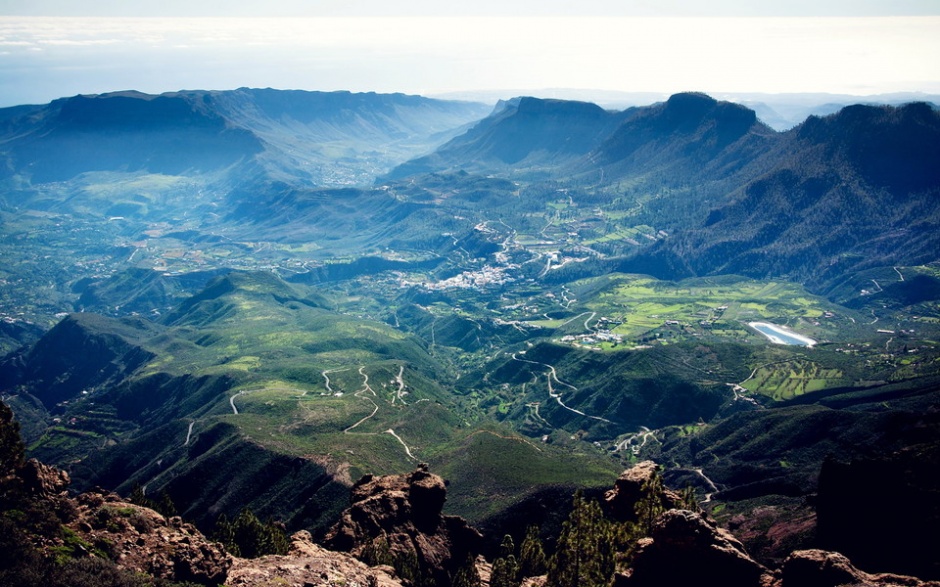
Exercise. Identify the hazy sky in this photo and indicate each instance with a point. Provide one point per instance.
(55, 48)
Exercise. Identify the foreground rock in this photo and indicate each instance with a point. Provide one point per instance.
(396, 519)
(308, 565)
(906, 488)
(619, 502)
(141, 540)
(687, 549)
(44, 481)
(819, 568)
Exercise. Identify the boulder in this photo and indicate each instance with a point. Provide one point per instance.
(42, 480)
(141, 540)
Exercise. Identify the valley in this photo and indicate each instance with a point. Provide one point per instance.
(524, 311)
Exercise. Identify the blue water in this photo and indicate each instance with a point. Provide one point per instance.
(787, 339)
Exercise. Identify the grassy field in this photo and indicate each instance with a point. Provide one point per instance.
(788, 379)
(640, 307)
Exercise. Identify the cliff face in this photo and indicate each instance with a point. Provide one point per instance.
(141, 540)
(861, 502)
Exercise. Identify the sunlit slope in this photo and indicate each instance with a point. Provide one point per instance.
(260, 375)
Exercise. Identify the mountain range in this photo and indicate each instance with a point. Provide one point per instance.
(297, 133)
(205, 289)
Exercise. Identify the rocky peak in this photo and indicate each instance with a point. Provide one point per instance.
(629, 488)
(820, 568)
(397, 519)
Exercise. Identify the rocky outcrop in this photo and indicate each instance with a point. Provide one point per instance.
(141, 540)
(309, 565)
(42, 480)
(687, 549)
(820, 568)
(619, 502)
(397, 519)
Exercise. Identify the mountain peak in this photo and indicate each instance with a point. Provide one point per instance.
(890, 146)
(687, 111)
(523, 132)
(691, 125)
(690, 103)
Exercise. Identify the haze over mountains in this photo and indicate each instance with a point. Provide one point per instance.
(207, 131)
(203, 289)
(780, 111)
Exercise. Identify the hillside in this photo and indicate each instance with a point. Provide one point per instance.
(529, 135)
(319, 137)
(260, 375)
(846, 193)
(354, 284)
(689, 135)
(123, 131)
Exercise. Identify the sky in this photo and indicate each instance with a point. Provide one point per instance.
(57, 48)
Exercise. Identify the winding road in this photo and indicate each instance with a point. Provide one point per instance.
(398, 438)
(552, 374)
(375, 408)
(711, 485)
(326, 377)
(399, 394)
(231, 400)
(644, 435)
(365, 388)
(589, 318)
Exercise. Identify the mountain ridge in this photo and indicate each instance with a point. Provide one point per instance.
(535, 132)
(178, 132)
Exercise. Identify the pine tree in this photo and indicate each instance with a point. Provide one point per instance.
(650, 505)
(248, 537)
(506, 569)
(586, 552)
(225, 533)
(467, 575)
(11, 445)
(166, 506)
(688, 500)
(532, 554)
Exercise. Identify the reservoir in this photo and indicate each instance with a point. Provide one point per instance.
(778, 335)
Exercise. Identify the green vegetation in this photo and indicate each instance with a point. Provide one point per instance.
(789, 379)
(248, 537)
(587, 548)
(506, 569)
(519, 309)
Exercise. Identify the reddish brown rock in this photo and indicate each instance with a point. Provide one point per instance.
(43, 480)
(142, 540)
(308, 565)
(619, 502)
(687, 549)
(397, 518)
